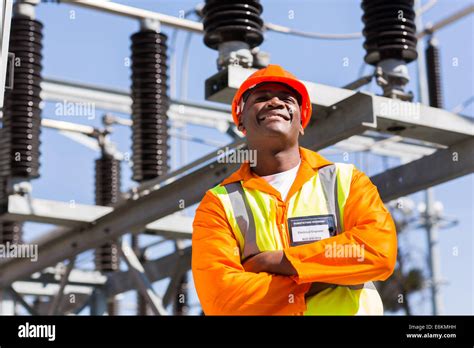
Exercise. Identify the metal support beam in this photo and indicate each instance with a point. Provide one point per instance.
(72, 92)
(53, 310)
(138, 13)
(50, 289)
(25, 208)
(349, 117)
(7, 304)
(188, 112)
(119, 101)
(180, 268)
(22, 301)
(98, 302)
(143, 283)
(82, 282)
(85, 303)
(77, 277)
(174, 226)
(441, 166)
(421, 122)
(132, 215)
(74, 296)
(396, 117)
(222, 87)
(68, 126)
(390, 147)
(156, 270)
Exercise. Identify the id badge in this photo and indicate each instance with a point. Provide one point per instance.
(309, 229)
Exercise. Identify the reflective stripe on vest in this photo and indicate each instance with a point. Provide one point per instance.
(244, 217)
(328, 179)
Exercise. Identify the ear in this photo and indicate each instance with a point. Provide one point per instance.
(301, 130)
(241, 127)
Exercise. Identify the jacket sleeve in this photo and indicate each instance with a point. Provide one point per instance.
(365, 251)
(222, 284)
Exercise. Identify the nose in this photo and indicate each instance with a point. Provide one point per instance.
(275, 102)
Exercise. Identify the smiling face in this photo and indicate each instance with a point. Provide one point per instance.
(271, 112)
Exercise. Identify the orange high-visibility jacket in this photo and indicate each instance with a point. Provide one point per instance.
(225, 288)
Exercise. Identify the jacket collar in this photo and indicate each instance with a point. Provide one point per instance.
(310, 163)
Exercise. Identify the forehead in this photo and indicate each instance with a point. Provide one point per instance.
(271, 87)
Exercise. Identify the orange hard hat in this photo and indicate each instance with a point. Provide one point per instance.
(273, 73)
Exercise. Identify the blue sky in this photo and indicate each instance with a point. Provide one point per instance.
(92, 47)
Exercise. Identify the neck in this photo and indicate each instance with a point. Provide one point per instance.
(272, 161)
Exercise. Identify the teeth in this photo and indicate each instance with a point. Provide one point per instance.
(263, 118)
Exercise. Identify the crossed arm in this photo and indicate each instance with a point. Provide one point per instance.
(274, 262)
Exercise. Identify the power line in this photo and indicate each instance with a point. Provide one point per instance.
(458, 108)
(312, 35)
(426, 7)
(454, 17)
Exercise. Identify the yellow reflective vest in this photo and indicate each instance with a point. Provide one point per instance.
(249, 216)
(252, 215)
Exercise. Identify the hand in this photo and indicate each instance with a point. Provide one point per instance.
(257, 263)
(270, 261)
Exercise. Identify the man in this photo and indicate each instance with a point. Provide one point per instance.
(295, 234)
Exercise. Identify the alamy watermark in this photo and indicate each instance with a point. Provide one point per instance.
(28, 330)
(76, 109)
(237, 156)
(404, 109)
(21, 251)
(335, 250)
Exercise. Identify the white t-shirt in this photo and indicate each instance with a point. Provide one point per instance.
(283, 181)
